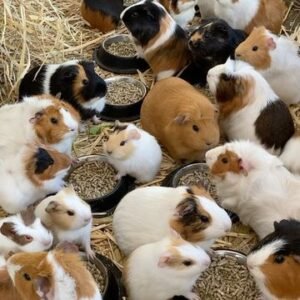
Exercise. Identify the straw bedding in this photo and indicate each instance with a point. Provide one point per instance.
(51, 31)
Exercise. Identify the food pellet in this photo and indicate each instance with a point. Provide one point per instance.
(130, 2)
(98, 276)
(122, 48)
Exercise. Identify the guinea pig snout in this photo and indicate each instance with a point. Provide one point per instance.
(194, 44)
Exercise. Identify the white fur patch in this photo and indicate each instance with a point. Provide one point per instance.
(12, 269)
(165, 74)
(70, 122)
(95, 103)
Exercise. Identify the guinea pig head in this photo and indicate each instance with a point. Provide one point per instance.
(256, 49)
(275, 261)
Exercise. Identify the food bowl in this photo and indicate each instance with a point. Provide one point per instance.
(115, 63)
(105, 203)
(119, 90)
(194, 173)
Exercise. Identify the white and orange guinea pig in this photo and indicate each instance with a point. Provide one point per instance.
(276, 58)
(74, 82)
(149, 214)
(133, 151)
(157, 37)
(275, 262)
(166, 268)
(38, 119)
(68, 217)
(249, 108)
(246, 14)
(254, 184)
(31, 174)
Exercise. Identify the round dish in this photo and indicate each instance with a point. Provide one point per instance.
(105, 204)
(116, 63)
(124, 112)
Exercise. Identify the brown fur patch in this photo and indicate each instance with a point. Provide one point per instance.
(7, 229)
(28, 215)
(78, 83)
(196, 37)
(8, 291)
(199, 190)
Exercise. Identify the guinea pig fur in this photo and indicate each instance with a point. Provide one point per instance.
(163, 269)
(249, 108)
(55, 275)
(197, 218)
(157, 37)
(68, 217)
(74, 82)
(102, 14)
(207, 8)
(276, 58)
(23, 233)
(254, 184)
(133, 151)
(246, 14)
(30, 175)
(185, 122)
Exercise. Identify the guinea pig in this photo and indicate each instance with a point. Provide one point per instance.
(161, 270)
(185, 122)
(30, 175)
(254, 184)
(68, 217)
(211, 44)
(157, 37)
(74, 82)
(276, 58)
(133, 151)
(207, 8)
(148, 214)
(23, 233)
(274, 261)
(102, 14)
(249, 108)
(39, 119)
(246, 14)
(56, 275)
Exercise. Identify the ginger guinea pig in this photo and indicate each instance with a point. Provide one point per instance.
(68, 217)
(249, 108)
(181, 118)
(133, 151)
(149, 214)
(157, 37)
(74, 82)
(246, 14)
(164, 269)
(274, 262)
(276, 58)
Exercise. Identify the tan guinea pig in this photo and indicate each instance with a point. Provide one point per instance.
(181, 118)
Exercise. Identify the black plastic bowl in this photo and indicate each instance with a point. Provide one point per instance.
(105, 205)
(115, 63)
(124, 112)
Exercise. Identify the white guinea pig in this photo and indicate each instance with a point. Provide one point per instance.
(161, 270)
(23, 233)
(148, 214)
(68, 217)
(133, 151)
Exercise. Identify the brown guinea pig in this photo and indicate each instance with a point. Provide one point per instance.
(181, 118)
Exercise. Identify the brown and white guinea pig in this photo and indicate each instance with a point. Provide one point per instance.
(157, 37)
(38, 119)
(211, 44)
(275, 262)
(31, 174)
(54, 275)
(181, 118)
(102, 14)
(68, 217)
(133, 151)
(276, 58)
(249, 108)
(246, 14)
(23, 233)
(74, 82)
(149, 214)
(164, 269)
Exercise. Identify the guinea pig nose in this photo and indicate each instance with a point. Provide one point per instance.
(109, 152)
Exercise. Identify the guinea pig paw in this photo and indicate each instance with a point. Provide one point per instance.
(82, 128)
(90, 254)
(75, 161)
(118, 176)
(96, 120)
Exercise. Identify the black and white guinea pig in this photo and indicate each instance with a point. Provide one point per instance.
(275, 262)
(75, 82)
(211, 44)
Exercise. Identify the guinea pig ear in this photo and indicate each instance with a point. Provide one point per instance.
(67, 247)
(164, 260)
(186, 207)
(36, 117)
(43, 289)
(43, 161)
(52, 207)
(296, 258)
(276, 225)
(271, 43)
(8, 229)
(70, 74)
(133, 134)
(182, 119)
(245, 166)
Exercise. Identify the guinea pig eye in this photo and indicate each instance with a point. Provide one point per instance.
(134, 14)
(195, 128)
(204, 219)
(187, 263)
(26, 276)
(225, 77)
(279, 259)
(28, 238)
(85, 82)
(122, 143)
(254, 48)
(53, 120)
(224, 160)
(70, 213)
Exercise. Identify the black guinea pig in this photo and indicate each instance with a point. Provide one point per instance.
(75, 82)
(211, 44)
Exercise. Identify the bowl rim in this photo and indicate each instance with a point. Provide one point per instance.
(238, 255)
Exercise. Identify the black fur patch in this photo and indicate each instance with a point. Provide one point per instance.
(188, 210)
(299, 51)
(119, 128)
(190, 191)
(43, 161)
(274, 126)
